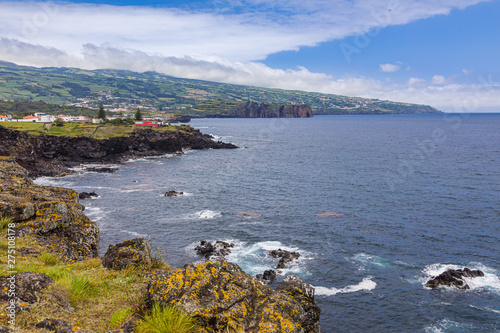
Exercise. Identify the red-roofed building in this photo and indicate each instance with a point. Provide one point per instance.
(150, 123)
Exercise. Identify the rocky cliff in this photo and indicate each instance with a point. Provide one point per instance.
(45, 155)
(223, 298)
(256, 110)
(52, 214)
(219, 295)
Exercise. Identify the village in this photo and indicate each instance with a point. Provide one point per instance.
(39, 117)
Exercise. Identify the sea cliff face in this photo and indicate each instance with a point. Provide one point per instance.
(46, 155)
(256, 110)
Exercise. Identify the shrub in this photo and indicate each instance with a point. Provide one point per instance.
(58, 122)
(166, 320)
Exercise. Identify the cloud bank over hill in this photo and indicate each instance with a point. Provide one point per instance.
(225, 41)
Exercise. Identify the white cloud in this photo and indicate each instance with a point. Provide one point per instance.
(245, 30)
(222, 43)
(390, 68)
(438, 79)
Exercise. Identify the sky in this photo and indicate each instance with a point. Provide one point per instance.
(441, 53)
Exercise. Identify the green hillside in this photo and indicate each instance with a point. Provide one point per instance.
(158, 92)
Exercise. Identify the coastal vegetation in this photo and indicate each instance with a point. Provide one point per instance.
(97, 131)
(154, 91)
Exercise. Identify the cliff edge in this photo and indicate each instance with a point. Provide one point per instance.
(49, 155)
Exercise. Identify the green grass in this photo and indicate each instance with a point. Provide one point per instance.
(100, 299)
(166, 320)
(96, 131)
(119, 317)
(4, 222)
(49, 259)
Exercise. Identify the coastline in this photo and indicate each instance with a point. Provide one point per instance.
(47, 220)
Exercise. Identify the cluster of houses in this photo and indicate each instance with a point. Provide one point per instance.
(46, 118)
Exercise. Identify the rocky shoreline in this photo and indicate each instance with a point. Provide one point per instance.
(45, 155)
(218, 294)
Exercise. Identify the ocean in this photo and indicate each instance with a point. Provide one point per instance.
(407, 197)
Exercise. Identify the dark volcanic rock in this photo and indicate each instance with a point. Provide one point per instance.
(46, 155)
(454, 277)
(87, 195)
(173, 194)
(127, 254)
(269, 275)
(102, 170)
(59, 326)
(221, 296)
(28, 286)
(51, 214)
(208, 250)
(303, 293)
(285, 256)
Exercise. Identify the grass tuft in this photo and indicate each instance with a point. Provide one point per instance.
(4, 222)
(119, 317)
(48, 258)
(166, 320)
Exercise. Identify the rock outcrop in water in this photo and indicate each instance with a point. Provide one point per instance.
(208, 250)
(454, 277)
(52, 214)
(221, 296)
(284, 255)
(45, 155)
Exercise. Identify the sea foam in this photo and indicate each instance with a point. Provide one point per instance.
(207, 214)
(366, 285)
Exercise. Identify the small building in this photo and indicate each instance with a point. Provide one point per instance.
(150, 123)
(6, 117)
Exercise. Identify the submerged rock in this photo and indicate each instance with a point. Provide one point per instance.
(87, 195)
(221, 296)
(208, 250)
(173, 194)
(127, 254)
(454, 277)
(102, 170)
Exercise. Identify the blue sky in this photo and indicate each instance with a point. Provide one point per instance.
(444, 54)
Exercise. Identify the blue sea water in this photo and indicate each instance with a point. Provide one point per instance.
(414, 195)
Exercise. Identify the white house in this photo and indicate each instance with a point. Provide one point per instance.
(6, 117)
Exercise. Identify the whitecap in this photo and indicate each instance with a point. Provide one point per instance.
(52, 181)
(207, 214)
(254, 258)
(136, 234)
(215, 137)
(373, 260)
(95, 214)
(445, 325)
(366, 285)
